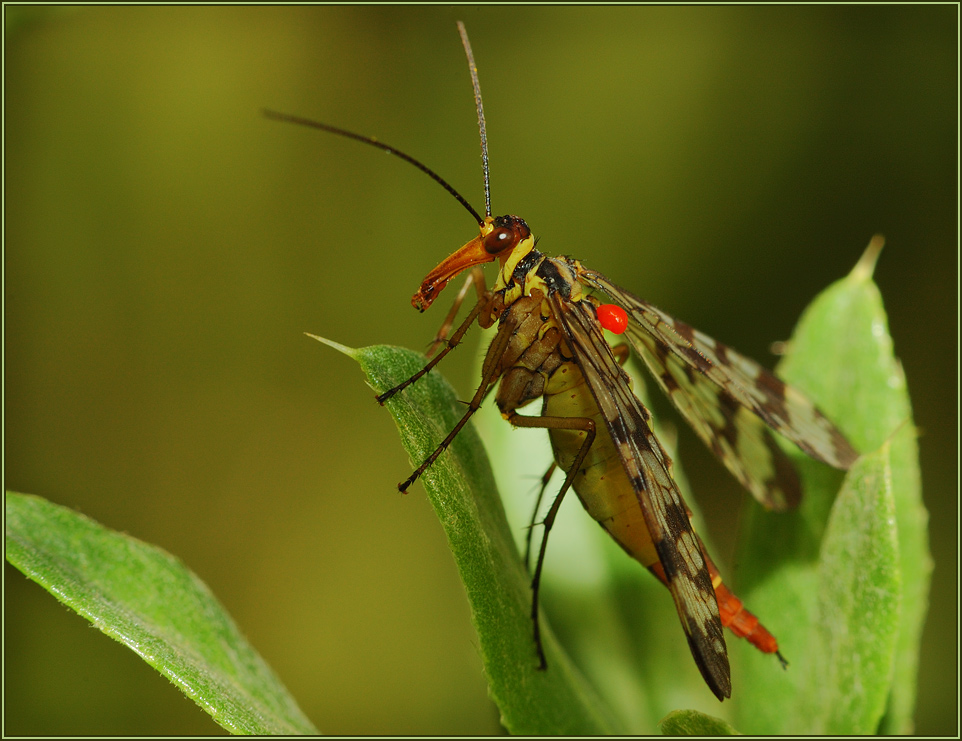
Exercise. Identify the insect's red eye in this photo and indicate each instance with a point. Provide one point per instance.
(613, 318)
(499, 240)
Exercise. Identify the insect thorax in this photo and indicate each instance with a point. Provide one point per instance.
(535, 359)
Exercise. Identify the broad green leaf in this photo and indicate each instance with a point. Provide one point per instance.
(693, 723)
(841, 356)
(461, 489)
(148, 600)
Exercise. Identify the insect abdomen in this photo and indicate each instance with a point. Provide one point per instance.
(607, 494)
(601, 483)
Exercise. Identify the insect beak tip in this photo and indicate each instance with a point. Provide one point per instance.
(422, 299)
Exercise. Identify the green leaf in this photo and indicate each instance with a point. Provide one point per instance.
(461, 489)
(693, 723)
(858, 603)
(148, 600)
(822, 576)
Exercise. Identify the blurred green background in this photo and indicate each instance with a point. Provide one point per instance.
(166, 246)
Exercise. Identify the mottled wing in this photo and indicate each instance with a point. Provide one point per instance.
(731, 401)
(648, 468)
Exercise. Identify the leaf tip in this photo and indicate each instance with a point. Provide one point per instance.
(349, 351)
(866, 265)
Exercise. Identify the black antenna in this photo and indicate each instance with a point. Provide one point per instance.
(387, 148)
(473, 68)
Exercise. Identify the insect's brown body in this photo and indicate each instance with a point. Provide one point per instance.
(550, 345)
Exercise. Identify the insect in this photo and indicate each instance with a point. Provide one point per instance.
(550, 344)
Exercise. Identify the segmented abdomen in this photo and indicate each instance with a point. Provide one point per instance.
(601, 483)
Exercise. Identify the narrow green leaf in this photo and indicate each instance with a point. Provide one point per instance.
(841, 356)
(858, 604)
(693, 723)
(148, 600)
(461, 489)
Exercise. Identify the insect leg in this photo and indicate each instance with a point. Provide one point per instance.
(534, 515)
(490, 372)
(587, 426)
(475, 278)
(451, 344)
(621, 353)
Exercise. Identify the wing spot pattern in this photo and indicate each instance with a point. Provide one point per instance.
(690, 552)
